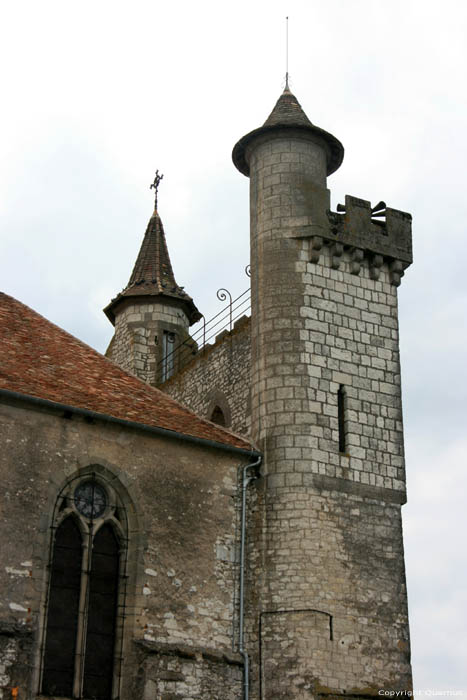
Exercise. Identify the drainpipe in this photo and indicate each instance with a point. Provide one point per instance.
(246, 479)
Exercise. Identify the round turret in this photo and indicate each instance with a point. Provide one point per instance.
(288, 117)
(152, 314)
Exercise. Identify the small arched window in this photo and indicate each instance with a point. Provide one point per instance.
(217, 416)
(82, 626)
(168, 354)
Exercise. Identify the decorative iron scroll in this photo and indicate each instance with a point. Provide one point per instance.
(222, 295)
(207, 331)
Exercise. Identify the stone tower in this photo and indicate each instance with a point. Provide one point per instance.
(152, 314)
(328, 607)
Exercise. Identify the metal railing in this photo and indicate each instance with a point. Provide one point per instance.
(208, 330)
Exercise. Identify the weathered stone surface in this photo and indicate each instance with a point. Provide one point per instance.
(325, 532)
(219, 376)
(137, 345)
(314, 378)
(181, 502)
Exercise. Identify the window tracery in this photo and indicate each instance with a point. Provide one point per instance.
(84, 620)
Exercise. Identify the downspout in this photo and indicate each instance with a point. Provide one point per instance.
(246, 479)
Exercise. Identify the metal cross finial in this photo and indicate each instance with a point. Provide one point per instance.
(155, 185)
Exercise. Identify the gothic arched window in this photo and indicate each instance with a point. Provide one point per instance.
(218, 410)
(82, 627)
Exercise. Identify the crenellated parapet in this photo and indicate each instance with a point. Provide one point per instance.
(378, 234)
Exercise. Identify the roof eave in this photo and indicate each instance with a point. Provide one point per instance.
(334, 148)
(193, 313)
(89, 414)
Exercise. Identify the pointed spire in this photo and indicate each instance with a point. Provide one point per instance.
(153, 274)
(153, 268)
(288, 114)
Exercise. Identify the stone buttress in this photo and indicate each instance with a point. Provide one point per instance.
(152, 314)
(327, 612)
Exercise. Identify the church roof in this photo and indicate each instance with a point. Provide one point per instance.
(288, 114)
(153, 274)
(41, 360)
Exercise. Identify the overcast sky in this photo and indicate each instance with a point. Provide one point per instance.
(97, 95)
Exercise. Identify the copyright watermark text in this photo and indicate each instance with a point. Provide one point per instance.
(429, 692)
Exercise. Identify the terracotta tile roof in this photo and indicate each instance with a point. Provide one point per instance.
(40, 359)
(153, 274)
(288, 113)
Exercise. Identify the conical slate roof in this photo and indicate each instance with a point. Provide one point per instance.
(153, 274)
(288, 114)
(153, 266)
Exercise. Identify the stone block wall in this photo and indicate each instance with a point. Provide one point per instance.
(180, 672)
(307, 641)
(137, 343)
(348, 337)
(219, 375)
(333, 616)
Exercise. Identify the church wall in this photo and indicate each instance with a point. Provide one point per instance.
(181, 502)
(219, 376)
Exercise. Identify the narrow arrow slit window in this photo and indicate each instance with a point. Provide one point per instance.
(341, 419)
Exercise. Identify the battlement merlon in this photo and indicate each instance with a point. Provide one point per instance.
(380, 233)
